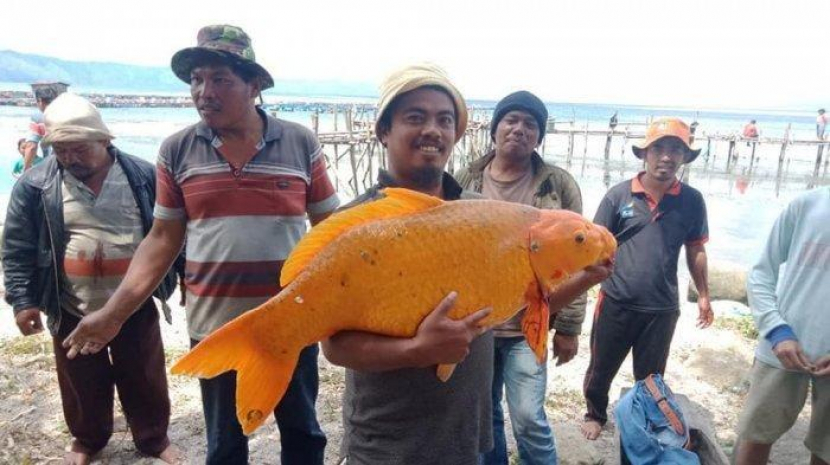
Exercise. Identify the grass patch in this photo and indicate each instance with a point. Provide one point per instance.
(39, 344)
(741, 324)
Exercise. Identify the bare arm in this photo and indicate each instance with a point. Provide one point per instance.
(150, 263)
(578, 284)
(29, 154)
(316, 219)
(439, 340)
(566, 345)
(697, 262)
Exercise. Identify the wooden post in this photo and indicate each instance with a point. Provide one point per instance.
(584, 150)
(752, 159)
(814, 180)
(781, 157)
(729, 159)
(826, 160)
(708, 154)
(315, 122)
(352, 155)
(622, 155)
(606, 176)
(571, 146)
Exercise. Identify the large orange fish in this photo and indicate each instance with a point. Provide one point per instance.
(383, 266)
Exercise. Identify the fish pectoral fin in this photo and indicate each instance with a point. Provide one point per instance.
(396, 202)
(445, 371)
(535, 324)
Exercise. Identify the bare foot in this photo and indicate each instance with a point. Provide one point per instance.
(591, 429)
(171, 455)
(76, 458)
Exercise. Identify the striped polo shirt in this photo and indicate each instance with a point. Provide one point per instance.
(101, 234)
(241, 224)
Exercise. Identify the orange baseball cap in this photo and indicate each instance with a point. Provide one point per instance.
(667, 127)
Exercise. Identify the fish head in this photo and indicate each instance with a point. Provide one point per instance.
(562, 243)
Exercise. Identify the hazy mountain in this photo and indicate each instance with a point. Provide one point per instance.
(26, 68)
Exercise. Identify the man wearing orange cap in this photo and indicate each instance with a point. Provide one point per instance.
(652, 216)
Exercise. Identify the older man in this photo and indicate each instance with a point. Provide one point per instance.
(652, 216)
(240, 183)
(73, 225)
(514, 172)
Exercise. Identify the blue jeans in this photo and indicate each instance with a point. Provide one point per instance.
(302, 440)
(517, 372)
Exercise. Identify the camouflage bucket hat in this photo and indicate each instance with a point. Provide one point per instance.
(230, 44)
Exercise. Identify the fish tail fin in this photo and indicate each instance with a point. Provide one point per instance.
(262, 378)
(445, 371)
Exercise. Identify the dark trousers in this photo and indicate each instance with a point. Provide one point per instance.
(617, 330)
(302, 439)
(134, 365)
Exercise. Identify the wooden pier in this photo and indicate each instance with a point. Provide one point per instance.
(354, 154)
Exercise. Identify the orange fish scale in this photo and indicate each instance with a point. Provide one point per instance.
(386, 276)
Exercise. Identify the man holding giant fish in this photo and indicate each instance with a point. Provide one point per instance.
(396, 286)
(240, 184)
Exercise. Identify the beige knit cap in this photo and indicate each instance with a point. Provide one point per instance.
(413, 77)
(71, 118)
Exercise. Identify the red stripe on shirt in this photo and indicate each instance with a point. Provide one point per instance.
(101, 268)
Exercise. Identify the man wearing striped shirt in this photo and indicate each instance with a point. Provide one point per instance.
(240, 185)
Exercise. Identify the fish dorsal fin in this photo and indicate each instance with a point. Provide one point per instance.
(396, 202)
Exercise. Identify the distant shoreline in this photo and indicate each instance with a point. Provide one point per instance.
(105, 100)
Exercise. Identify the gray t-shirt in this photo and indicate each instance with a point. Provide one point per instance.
(408, 416)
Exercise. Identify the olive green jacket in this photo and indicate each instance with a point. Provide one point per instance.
(555, 189)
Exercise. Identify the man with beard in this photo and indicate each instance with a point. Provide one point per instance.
(241, 184)
(73, 225)
(652, 216)
(395, 410)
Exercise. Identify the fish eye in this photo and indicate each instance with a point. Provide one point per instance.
(580, 238)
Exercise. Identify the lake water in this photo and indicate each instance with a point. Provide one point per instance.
(738, 222)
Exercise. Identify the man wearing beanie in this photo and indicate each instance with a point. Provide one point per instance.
(73, 225)
(652, 216)
(395, 409)
(514, 172)
(241, 184)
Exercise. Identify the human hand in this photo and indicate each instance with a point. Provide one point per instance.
(599, 272)
(92, 334)
(565, 348)
(706, 316)
(822, 366)
(28, 321)
(440, 340)
(792, 357)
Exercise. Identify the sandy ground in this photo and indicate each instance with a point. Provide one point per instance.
(709, 366)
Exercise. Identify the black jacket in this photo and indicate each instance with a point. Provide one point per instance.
(33, 237)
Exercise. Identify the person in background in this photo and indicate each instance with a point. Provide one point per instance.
(751, 130)
(515, 172)
(240, 185)
(791, 313)
(19, 165)
(652, 216)
(72, 227)
(821, 123)
(45, 93)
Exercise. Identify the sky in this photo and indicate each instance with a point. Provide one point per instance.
(700, 54)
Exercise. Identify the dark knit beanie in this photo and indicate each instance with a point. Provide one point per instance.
(521, 100)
